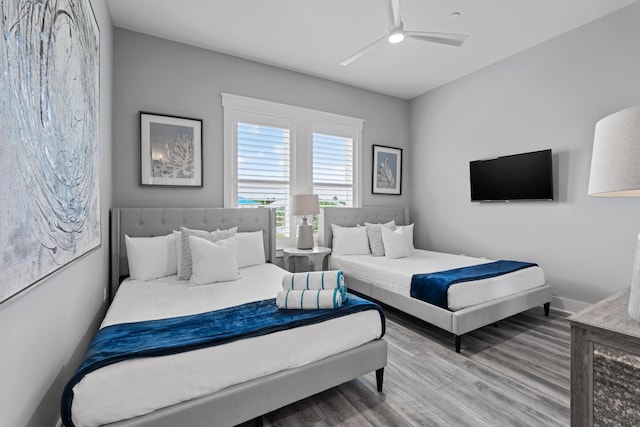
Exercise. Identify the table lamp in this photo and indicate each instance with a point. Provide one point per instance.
(305, 204)
(615, 172)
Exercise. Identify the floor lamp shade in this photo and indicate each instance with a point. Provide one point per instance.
(615, 163)
(615, 172)
(305, 204)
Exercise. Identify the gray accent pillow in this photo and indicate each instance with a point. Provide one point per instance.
(213, 236)
(374, 233)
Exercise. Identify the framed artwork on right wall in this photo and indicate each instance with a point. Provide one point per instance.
(387, 170)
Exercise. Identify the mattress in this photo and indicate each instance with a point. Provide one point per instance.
(395, 275)
(139, 386)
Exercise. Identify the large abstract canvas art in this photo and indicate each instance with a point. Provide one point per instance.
(49, 172)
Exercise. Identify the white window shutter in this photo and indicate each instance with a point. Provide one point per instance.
(333, 169)
(263, 174)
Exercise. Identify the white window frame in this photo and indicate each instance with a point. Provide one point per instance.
(303, 122)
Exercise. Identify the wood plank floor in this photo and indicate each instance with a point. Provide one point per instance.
(516, 374)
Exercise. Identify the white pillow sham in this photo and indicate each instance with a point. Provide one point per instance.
(151, 257)
(250, 249)
(407, 232)
(395, 243)
(374, 234)
(213, 236)
(349, 240)
(213, 261)
(178, 237)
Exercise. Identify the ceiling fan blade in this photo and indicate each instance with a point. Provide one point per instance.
(442, 38)
(393, 11)
(361, 52)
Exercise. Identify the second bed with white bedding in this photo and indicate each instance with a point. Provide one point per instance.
(138, 386)
(395, 275)
(469, 305)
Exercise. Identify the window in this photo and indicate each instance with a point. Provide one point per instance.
(333, 169)
(273, 151)
(263, 169)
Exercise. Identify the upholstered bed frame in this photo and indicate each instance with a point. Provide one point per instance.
(149, 222)
(457, 322)
(252, 399)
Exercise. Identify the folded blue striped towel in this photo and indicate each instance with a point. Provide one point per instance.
(315, 280)
(312, 299)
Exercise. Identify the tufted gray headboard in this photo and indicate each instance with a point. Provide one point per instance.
(350, 217)
(150, 222)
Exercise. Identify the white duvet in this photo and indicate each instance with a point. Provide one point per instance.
(139, 386)
(395, 275)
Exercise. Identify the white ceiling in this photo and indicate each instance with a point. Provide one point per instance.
(314, 36)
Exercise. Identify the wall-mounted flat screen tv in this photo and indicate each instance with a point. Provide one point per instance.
(526, 176)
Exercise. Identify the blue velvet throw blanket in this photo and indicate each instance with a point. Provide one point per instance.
(432, 287)
(162, 337)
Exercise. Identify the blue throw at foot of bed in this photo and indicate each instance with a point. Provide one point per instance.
(433, 287)
(161, 337)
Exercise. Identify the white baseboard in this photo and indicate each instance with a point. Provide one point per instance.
(567, 305)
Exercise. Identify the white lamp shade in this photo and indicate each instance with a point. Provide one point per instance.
(304, 204)
(615, 172)
(615, 164)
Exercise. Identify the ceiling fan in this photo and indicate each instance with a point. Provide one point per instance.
(397, 34)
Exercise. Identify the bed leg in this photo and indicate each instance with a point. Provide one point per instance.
(457, 339)
(258, 421)
(546, 308)
(379, 379)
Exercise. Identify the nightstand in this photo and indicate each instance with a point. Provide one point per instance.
(605, 364)
(315, 255)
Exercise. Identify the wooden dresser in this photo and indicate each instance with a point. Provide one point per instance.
(605, 365)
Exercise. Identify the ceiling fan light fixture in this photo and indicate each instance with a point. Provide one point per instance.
(396, 36)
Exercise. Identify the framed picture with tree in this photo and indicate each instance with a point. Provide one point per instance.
(387, 170)
(170, 150)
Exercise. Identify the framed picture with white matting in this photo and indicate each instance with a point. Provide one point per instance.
(170, 150)
(387, 170)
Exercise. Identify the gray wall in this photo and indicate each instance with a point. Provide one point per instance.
(549, 96)
(45, 330)
(156, 75)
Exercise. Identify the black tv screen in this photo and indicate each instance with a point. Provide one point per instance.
(526, 176)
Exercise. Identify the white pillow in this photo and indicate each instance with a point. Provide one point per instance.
(151, 257)
(213, 236)
(178, 237)
(250, 249)
(350, 240)
(395, 244)
(213, 261)
(407, 232)
(375, 236)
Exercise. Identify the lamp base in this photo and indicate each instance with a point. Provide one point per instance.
(634, 297)
(305, 235)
